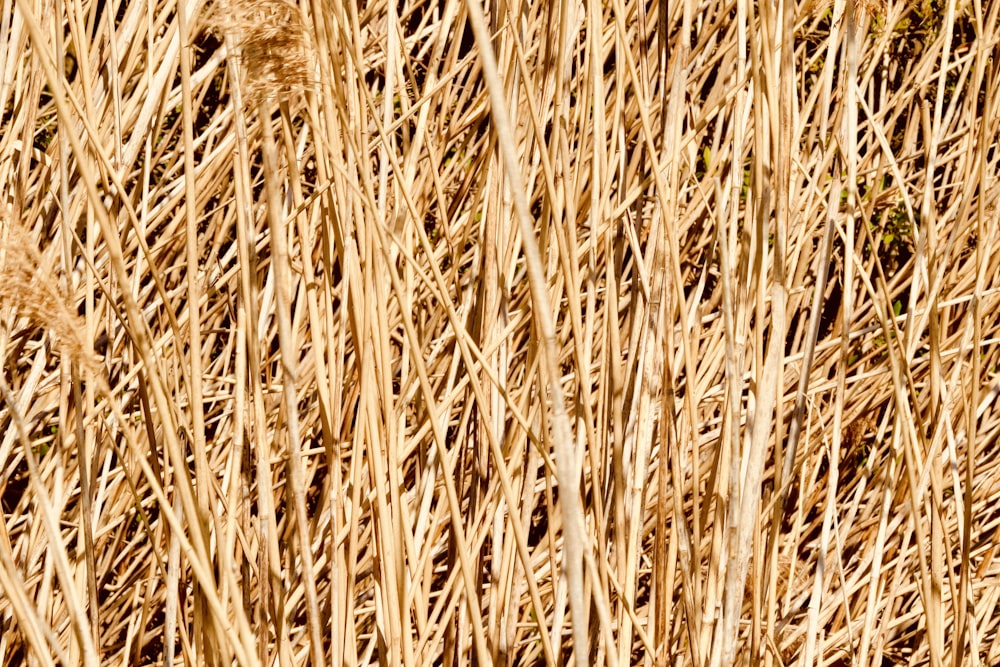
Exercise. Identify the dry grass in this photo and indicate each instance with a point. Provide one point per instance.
(442, 334)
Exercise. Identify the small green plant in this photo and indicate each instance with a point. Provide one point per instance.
(894, 236)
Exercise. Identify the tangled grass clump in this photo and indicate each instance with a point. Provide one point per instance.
(31, 290)
(272, 42)
(442, 332)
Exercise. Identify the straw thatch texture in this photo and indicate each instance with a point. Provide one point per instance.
(529, 333)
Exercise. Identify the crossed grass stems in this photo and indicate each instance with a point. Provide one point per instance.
(278, 386)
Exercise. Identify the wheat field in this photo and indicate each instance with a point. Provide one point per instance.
(430, 332)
